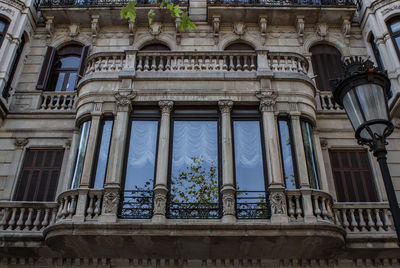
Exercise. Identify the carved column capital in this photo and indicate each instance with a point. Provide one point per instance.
(124, 98)
(20, 143)
(267, 99)
(225, 106)
(166, 106)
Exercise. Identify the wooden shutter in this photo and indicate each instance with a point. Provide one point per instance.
(46, 68)
(39, 176)
(352, 176)
(84, 55)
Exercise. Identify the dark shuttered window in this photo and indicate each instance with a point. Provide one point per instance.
(39, 176)
(352, 175)
(327, 65)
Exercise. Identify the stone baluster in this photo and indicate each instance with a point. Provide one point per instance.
(345, 221)
(291, 206)
(317, 210)
(45, 221)
(11, 222)
(228, 184)
(28, 221)
(36, 223)
(53, 216)
(379, 223)
(161, 179)
(168, 63)
(387, 219)
(361, 222)
(299, 211)
(353, 222)
(20, 222)
(370, 222)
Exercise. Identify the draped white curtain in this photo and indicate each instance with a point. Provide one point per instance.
(142, 155)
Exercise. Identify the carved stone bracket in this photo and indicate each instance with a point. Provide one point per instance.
(132, 31)
(166, 106)
(267, 99)
(216, 24)
(300, 28)
(346, 27)
(225, 106)
(20, 143)
(50, 26)
(262, 23)
(324, 143)
(160, 201)
(111, 201)
(73, 29)
(278, 202)
(95, 26)
(178, 22)
(155, 29)
(239, 28)
(322, 29)
(228, 202)
(124, 98)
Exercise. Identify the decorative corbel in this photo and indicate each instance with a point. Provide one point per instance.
(155, 29)
(300, 28)
(178, 22)
(346, 27)
(239, 28)
(132, 31)
(124, 97)
(322, 29)
(262, 23)
(267, 99)
(20, 143)
(73, 29)
(95, 26)
(216, 24)
(50, 26)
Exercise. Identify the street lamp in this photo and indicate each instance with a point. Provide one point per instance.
(363, 94)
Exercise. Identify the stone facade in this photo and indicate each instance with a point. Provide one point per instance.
(307, 227)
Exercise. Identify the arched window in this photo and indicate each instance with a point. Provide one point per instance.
(394, 30)
(327, 65)
(62, 68)
(153, 47)
(239, 46)
(3, 29)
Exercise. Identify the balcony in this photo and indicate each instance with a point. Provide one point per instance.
(318, 3)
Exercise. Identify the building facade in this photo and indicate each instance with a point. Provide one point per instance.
(133, 145)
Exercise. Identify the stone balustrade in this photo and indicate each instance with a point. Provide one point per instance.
(27, 216)
(106, 62)
(287, 62)
(58, 101)
(363, 217)
(326, 103)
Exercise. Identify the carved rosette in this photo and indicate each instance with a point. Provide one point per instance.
(228, 202)
(111, 201)
(160, 203)
(20, 142)
(166, 106)
(124, 98)
(225, 106)
(278, 203)
(267, 100)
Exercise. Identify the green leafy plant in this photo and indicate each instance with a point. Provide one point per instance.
(129, 12)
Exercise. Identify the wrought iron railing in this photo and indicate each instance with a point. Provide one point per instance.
(137, 204)
(283, 2)
(85, 3)
(194, 210)
(252, 205)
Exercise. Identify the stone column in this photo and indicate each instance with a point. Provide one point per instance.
(161, 180)
(228, 183)
(276, 187)
(112, 185)
(302, 168)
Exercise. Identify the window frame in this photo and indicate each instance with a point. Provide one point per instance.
(4, 32)
(314, 154)
(394, 35)
(194, 117)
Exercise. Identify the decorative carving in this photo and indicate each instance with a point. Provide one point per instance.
(7, 10)
(73, 29)
(267, 99)
(216, 24)
(390, 8)
(155, 28)
(178, 22)
(160, 202)
(322, 29)
(124, 97)
(262, 22)
(346, 27)
(277, 200)
(228, 201)
(68, 144)
(324, 143)
(95, 26)
(111, 201)
(21, 142)
(50, 26)
(166, 106)
(239, 28)
(132, 31)
(300, 28)
(225, 106)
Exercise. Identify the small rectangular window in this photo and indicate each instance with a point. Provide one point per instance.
(39, 176)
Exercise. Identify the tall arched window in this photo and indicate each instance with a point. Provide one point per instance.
(327, 65)
(394, 30)
(62, 68)
(3, 29)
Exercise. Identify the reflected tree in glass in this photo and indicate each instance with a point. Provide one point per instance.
(287, 154)
(309, 150)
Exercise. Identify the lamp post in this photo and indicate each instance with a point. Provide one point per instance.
(363, 95)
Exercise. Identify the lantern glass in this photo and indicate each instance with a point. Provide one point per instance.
(364, 103)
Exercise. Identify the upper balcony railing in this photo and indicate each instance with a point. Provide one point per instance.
(106, 3)
(282, 2)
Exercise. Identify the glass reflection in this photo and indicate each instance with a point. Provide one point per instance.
(287, 154)
(102, 159)
(80, 156)
(311, 161)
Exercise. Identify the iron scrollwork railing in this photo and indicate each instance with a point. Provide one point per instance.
(252, 205)
(194, 211)
(86, 3)
(137, 204)
(283, 2)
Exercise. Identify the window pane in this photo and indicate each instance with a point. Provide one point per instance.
(287, 154)
(310, 154)
(194, 171)
(395, 27)
(80, 157)
(2, 26)
(70, 62)
(103, 154)
(60, 81)
(71, 82)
